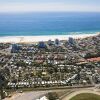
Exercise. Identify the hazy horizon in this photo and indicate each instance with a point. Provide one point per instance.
(9, 6)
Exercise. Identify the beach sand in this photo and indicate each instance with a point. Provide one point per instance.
(30, 39)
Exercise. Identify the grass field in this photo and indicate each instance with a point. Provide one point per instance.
(86, 96)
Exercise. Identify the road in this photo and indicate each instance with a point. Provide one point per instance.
(33, 95)
(69, 96)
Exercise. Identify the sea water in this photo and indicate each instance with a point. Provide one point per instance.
(49, 23)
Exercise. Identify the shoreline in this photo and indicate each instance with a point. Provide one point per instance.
(32, 39)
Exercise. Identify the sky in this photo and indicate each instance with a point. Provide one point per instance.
(49, 5)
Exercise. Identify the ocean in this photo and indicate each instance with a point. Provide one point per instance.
(49, 23)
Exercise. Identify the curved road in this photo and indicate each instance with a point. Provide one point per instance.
(68, 97)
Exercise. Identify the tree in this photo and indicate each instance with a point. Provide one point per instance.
(52, 96)
(3, 83)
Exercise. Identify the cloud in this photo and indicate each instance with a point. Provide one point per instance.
(30, 7)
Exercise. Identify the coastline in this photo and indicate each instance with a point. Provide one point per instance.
(32, 39)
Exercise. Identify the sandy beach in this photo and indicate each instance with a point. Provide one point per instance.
(30, 39)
